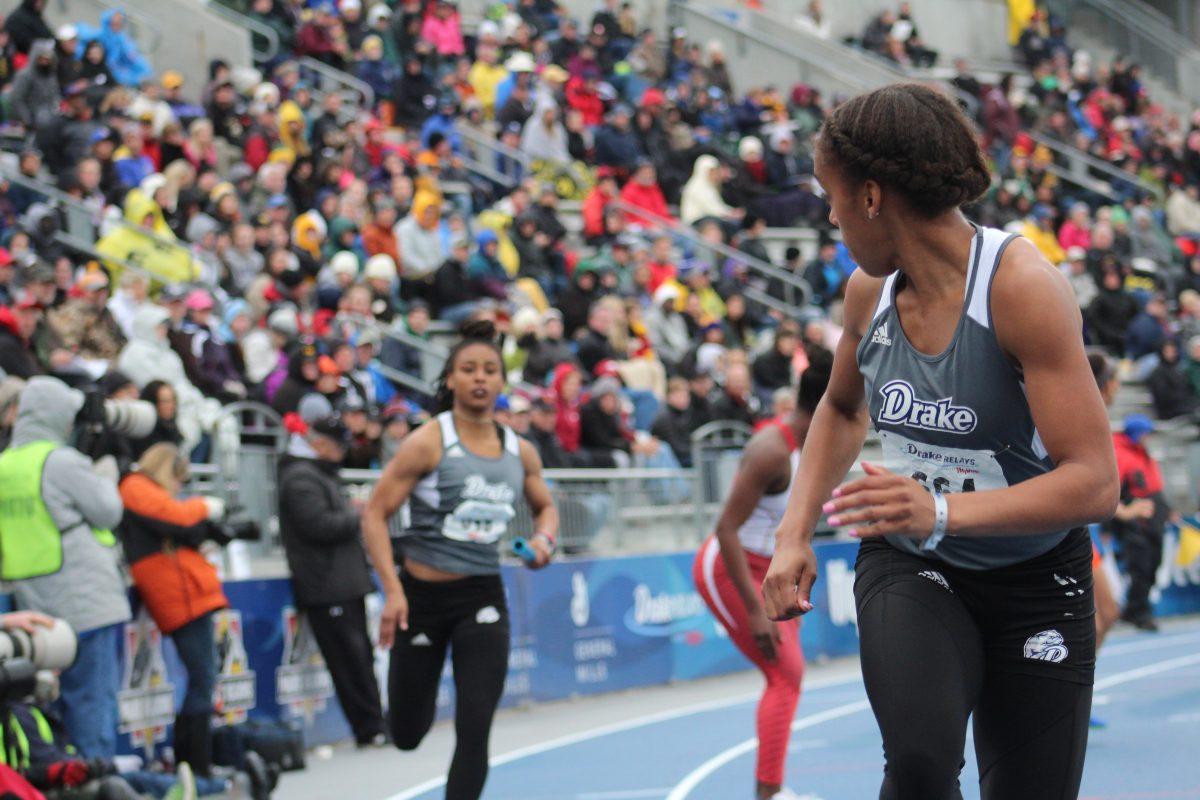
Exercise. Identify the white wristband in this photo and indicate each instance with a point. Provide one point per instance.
(941, 519)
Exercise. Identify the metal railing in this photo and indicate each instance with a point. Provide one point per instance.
(325, 79)
(260, 31)
(81, 223)
(695, 240)
(477, 138)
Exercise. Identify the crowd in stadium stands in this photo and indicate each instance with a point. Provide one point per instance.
(307, 217)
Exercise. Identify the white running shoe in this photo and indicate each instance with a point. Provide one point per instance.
(787, 794)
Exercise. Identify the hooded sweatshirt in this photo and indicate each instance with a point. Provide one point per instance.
(568, 425)
(126, 63)
(420, 247)
(88, 592)
(149, 357)
(33, 98)
(701, 197)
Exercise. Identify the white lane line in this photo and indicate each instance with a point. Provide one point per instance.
(1143, 645)
(693, 779)
(632, 794)
(618, 727)
(1130, 675)
(697, 776)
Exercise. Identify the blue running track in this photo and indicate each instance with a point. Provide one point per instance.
(1147, 689)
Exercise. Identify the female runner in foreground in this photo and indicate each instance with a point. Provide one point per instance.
(730, 567)
(963, 347)
(463, 474)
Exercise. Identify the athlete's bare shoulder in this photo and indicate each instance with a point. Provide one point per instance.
(862, 295)
(420, 452)
(1030, 298)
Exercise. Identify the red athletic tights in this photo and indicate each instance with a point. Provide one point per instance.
(783, 674)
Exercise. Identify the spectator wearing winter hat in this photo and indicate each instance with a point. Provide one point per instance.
(380, 274)
(330, 578)
(420, 243)
(84, 325)
(484, 269)
(667, 327)
(216, 360)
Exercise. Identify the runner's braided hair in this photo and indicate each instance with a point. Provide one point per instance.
(472, 332)
(912, 139)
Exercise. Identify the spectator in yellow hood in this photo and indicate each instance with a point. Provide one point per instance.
(308, 233)
(293, 135)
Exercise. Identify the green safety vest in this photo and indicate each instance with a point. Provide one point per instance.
(15, 752)
(30, 542)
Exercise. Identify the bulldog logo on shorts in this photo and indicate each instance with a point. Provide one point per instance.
(1046, 646)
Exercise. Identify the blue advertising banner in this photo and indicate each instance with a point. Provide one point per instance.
(579, 627)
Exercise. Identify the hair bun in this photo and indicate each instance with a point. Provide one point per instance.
(478, 329)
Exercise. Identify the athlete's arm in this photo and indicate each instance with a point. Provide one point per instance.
(417, 456)
(1038, 324)
(541, 504)
(766, 462)
(835, 437)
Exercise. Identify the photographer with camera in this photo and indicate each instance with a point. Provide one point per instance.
(37, 749)
(56, 546)
(178, 585)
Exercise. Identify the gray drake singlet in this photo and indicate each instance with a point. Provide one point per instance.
(460, 511)
(958, 421)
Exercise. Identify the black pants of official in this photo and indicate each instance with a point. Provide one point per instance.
(470, 618)
(341, 633)
(1141, 550)
(1014, 646)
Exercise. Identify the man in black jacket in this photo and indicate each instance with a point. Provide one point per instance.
(594, 346)
(674, 422)
(330, 577)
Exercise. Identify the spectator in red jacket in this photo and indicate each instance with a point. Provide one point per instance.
(597, 200)
(1141, 536)
(643, 192)
(583, 95)
(567, 387)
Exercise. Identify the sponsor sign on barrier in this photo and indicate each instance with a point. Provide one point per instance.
(579, 627)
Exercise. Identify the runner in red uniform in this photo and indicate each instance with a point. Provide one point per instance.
(730, 567)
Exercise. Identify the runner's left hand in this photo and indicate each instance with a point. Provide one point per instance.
(883, 503)
(543, 553)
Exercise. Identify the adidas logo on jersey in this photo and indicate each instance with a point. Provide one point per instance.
(880, 336)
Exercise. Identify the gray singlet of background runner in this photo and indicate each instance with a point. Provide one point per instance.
(462, 509)
(958, 421)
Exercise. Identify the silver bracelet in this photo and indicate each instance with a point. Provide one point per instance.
(941, 519)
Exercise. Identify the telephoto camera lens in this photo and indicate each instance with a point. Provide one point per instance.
(133, 418)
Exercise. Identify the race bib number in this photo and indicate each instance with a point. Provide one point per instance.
(942, 469)
(478, 521)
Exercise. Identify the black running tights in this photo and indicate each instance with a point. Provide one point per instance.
(470, 618)
(929, 664)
